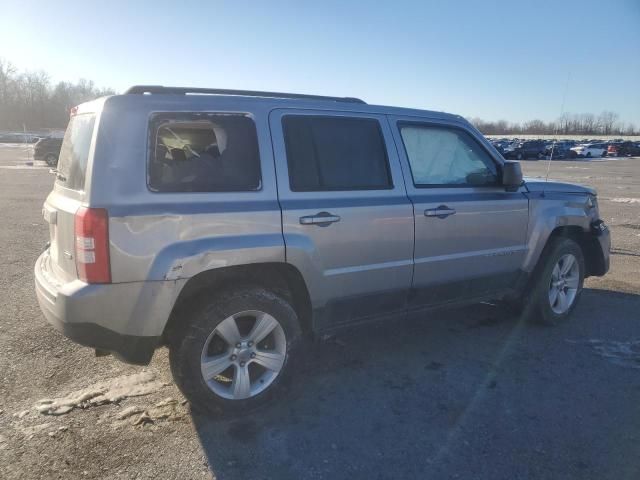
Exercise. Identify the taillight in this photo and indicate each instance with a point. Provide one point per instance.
(92, 245)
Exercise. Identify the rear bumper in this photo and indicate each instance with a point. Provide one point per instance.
(125, 319)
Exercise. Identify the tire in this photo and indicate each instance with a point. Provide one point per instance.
(51, 159)
(202, 327)
(520, 156)
(540, 156)
(541, 306)
(588, 155)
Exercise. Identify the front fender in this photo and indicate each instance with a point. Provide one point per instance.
(549, 211)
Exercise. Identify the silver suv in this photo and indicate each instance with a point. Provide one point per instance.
(226, 225)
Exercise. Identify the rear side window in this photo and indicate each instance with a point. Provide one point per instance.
(74, 153)
(203, 153)
(335, 153)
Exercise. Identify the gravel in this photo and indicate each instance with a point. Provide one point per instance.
(470, 393)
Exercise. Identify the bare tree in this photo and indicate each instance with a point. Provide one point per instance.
(606, 122)
(29, 99)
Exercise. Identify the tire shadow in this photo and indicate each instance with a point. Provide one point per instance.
(427, 398)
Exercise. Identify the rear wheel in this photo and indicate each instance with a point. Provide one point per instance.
(234, 351)
(557, 284)
(51, 159)
(588, 155)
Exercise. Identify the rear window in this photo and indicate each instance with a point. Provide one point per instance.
(196, 152)
(335, 153)
(74, 153)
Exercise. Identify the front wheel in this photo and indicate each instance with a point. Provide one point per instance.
(234, 351)
(557, 284)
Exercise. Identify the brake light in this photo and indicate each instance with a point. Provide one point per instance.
(92, 245)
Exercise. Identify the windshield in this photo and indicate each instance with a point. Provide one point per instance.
(72, 163)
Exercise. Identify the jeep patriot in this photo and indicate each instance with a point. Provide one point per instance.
(229, 225)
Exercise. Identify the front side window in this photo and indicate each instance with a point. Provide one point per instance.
(441, 156)
(335, 153)
(202, 152)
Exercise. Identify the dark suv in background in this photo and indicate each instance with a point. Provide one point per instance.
(48, 149)
(528, 149)
(623, 149)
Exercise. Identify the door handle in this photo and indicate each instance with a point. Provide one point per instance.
(322, 219)
(441, 212)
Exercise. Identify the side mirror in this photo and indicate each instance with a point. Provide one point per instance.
(511, 175)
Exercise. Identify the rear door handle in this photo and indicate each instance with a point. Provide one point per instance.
(441, 212)
(322, 219)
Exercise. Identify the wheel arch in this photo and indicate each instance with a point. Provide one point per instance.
(283, 278)
(593, 258)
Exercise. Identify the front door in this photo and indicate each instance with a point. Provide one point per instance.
(470, 232)
(346, 218)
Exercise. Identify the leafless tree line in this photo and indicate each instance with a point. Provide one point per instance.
(30, 100)
(607, 123)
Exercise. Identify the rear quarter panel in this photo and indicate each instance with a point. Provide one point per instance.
(173, 236)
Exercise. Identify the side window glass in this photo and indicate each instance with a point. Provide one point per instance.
(203, 153)
(441, 156)
(335, 153)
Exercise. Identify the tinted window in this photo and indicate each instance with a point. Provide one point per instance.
(203, 153)
(446, 156)
(74, 153)
(335, 153)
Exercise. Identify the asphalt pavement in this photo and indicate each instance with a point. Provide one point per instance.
(471, 393)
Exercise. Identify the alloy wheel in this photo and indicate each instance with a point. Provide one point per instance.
(243, 355)
(563, 287)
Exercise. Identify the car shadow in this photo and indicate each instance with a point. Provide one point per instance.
(428, 398)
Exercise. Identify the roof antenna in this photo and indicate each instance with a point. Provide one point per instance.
(553, 145)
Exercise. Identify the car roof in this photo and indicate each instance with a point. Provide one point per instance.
(185, 96)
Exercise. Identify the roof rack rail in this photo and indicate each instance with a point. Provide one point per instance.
(142, 89)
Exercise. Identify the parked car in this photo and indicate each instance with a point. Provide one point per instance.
(558, 150)
(588, 150)
(623, 149)
(48, 149)
(236, 223)
(527, 149)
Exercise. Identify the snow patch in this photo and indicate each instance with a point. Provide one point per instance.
(625, 354)
(625, 200)
(100, 393)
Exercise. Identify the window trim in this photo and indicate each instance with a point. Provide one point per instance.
(152, 132)
(443, 126)
(330, 115)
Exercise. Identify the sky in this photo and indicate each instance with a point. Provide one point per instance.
(509, 60)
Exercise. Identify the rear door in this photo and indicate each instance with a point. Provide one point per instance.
(68, 194)
(470, 232)
(346, 218)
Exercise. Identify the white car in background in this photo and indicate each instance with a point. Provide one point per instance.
(589, 150)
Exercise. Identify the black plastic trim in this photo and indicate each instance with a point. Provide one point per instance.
(159, 89)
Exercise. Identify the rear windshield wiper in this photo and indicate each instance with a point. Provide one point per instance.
(58, 174)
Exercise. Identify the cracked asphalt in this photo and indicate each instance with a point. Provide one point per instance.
(470, 393)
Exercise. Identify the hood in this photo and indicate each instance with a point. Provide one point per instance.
(538, 185)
